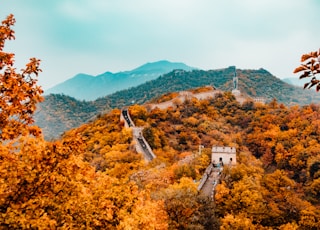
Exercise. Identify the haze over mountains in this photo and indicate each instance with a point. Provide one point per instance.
(88, 87)
(296, 81)
(59, 113)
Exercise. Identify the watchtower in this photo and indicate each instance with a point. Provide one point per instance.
(235, 90)
(223, 155)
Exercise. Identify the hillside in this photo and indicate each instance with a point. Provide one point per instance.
(87, 87)
(59, 113)
(52, 118)
(274, 184)
(256, 83)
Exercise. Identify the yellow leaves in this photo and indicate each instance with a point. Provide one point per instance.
(145, 214)
(5, 59)
(138, 114)
(310, 218)
(280, 154)
(278, 180)
(6, 33)
(237, 222)
(153, 179)
(40, 183)
(270, 199)
(251, 168)
(222, 192)
(273, 132)
(184, 206)
(274, 210)
(289, 226)
(125, 207)
(186, 184)
(184, 170)
(19, 92)
(315, 187)
(190, 121)
(33, 67)
(202, 162)
(246, 195)
(126, 135)
(154, 137)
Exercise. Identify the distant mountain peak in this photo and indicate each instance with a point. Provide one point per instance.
(87, 87)
(162, 66)
(82, 75)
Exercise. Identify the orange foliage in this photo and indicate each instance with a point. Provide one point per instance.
(310, 67)
(19, 92)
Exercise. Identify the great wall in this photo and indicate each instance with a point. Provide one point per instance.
(221, 156)
(211, 177)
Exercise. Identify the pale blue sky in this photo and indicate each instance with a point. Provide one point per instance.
(94, 36)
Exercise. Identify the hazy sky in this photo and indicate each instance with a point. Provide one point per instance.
(95, 36)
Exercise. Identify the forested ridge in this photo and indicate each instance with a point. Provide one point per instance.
(57, 112)
(60, 113)
(274, 185)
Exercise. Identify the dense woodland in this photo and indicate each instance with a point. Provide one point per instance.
(275, 184)
(107, 184)
(92, 177)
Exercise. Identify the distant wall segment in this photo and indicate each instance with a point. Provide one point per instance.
(183, 96)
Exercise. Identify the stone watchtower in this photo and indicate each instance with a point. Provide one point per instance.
(235, 80)
(221, 155)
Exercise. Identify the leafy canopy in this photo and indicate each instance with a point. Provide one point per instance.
(19, 93)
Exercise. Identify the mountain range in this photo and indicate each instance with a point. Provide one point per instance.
(296, 81)
(59, 113)
(88, 87)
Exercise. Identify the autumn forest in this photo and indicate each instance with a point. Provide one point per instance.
(93, 178)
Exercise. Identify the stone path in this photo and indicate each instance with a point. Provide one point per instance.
(211, 182)
(141, 144)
